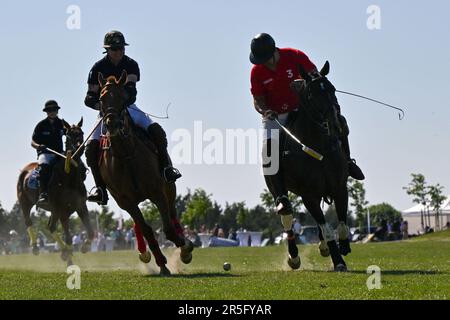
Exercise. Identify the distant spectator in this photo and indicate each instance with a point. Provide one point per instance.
(215, 231)
(221, 233)
(404, 230)
(76, 242)
(232, 234)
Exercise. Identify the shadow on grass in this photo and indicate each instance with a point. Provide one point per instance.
(195, 275)
(388, 272)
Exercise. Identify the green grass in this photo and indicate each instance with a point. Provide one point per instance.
(415, 269)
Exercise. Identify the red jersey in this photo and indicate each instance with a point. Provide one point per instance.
(274, 85)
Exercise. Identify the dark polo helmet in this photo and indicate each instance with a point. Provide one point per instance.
(114, 39)
(51, 105)
(262, 48)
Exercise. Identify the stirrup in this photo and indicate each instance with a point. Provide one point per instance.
(43, 199)
(283, 206)
(100, 197)
(175, 174)
(354, 171)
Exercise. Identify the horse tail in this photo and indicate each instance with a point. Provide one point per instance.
(22, 176)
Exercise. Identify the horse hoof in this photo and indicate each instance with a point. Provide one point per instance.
(340, 268)
(66, 254)
(164, 272)
(344, 247)
(323, 249)
(35, 250)
(186, 258)
(294, 263)
(86, 247)
(188, 247)
(145, 257)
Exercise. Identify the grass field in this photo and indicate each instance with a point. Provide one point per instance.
(414, 269)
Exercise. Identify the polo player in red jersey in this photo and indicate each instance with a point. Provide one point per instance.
(272, 78)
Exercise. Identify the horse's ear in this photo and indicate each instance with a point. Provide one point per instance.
(325, 69)
(101, 79)
(80, 124)
(123, 78)
(65, 125)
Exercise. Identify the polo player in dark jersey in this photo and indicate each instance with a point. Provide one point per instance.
(113, 64)
(47, 134)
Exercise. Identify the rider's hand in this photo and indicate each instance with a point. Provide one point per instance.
(270, 114)
(41, 148)
(297, 85)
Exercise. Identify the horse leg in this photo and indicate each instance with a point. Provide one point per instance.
(341, 204)
(293, 259)
(147, 231)
(144, 255)
(313, 206)
(26, 206)
(188, 246)
(67, 252)
(52, 223)
(323, 247)
(83, 213)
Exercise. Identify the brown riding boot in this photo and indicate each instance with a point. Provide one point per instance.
(100, 195)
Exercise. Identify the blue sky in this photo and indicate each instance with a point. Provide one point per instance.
(194, 54)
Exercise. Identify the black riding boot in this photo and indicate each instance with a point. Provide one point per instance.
(44, 178)
(158, 136)
(353, 170)
(100, 195)
(275, 183)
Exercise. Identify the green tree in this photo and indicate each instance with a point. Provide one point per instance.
(358, 195)
(201, 210)
(418, 189)
(151, 214)
(436, 199)
(382, 211)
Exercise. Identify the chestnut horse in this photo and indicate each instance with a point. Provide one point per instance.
(67, 194)
(130, 167)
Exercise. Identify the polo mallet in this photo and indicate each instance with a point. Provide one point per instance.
(305, 148)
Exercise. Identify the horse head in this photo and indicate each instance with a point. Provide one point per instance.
(74, 136)
(112, 101)
(317, 95)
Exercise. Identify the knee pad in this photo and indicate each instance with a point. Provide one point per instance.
(157, 134)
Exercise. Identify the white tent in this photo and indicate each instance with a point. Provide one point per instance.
(413, 215)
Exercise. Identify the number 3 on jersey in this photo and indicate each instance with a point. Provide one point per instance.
(290, 74)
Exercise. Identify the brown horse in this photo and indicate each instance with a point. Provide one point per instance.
(130, 168)
(67, 194)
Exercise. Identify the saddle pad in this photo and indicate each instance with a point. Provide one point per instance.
(33, 181)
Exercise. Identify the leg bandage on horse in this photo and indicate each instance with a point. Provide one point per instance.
(286, 221)
(327, 232)
(343, 231)
(32, 235)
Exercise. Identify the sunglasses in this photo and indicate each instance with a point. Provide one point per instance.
(117, 49)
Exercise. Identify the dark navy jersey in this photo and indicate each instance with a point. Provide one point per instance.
(109, 69)
(49, 134)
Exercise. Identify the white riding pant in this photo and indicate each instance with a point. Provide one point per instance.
(139, 118)
(46, 158)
